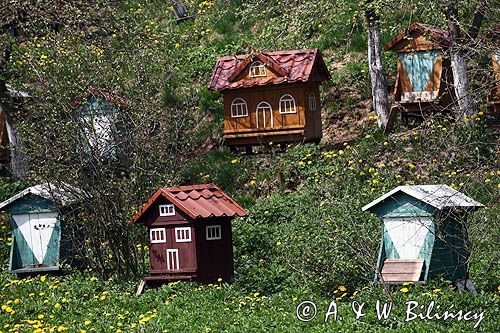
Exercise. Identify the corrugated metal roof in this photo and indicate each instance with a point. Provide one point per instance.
(61, 195)
(439, 36)
(298, 65)
(197, 201)
(438, 196)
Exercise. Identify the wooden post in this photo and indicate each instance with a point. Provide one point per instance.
(140, 287)
(180, 10)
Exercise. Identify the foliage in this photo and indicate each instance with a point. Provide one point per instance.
(85, 303)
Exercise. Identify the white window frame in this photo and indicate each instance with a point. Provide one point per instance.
(239, 108)
(167, 210)
(312, 102)
(257, 69)
(287, 104)
(264, 107)
(174, 254)
(209, 232)
(184, 232)
(157, 231)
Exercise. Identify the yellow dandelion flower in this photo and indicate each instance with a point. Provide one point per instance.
(404, 290)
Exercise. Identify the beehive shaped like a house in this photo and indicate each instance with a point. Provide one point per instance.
(271, 96)
(423, 233)
(424, 76)
(190, 233)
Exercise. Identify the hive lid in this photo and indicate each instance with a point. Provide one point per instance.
(438, 196)
(438, 36)
(197, 201)
(63, 195)
(291, 65)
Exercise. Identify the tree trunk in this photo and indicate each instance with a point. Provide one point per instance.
(465, 99)
(18, 158)
(379, 87)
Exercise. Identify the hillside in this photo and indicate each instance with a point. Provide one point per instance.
(306, 237)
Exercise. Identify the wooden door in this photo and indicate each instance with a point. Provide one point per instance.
(36, 240)
(172, 259)
(264, 116)
(180, 251)
(407, 238)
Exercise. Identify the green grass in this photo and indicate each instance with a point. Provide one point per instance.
(82, 303)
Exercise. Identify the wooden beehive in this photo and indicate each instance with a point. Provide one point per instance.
(36, 216)
(271, 96)
(424, 77)
(190, 233)
(101, 128)
(423, 233)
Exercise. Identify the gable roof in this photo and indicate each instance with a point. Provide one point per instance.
(197, 201)
(439, 36)
(292, 66)
(438, 196)
(110, 97)
(47, 191)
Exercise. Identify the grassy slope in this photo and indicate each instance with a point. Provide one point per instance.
(306, 235)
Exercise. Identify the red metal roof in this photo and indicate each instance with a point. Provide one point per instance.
(437, 35)
(197, 201)
(291, 65)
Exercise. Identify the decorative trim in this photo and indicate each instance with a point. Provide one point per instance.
(183, 234)
(239, 108)
(264, 107)
(167, 210)
(173, 254)
(157, 235)
(213, 232)
(287, 104)
(312, 102)
(257, 69)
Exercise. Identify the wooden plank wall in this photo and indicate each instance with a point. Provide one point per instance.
(271, 95)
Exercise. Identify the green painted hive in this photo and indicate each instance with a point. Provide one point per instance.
(424, 233)
(36, 228)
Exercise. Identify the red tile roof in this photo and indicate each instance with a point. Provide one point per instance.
(197, 201)
(291, 65)
(437, 35)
